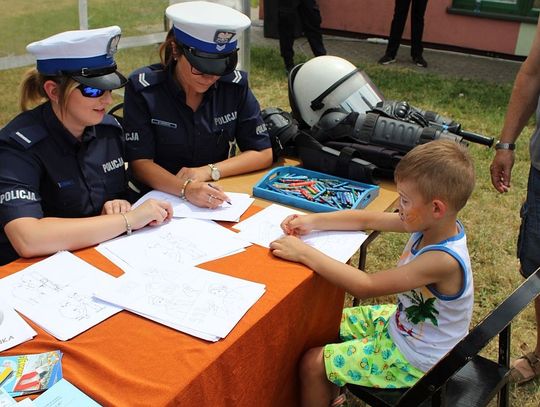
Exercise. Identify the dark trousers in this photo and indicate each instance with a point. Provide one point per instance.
(310, 18)
(401, 10)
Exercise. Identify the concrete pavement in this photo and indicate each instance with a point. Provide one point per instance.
(360, 51)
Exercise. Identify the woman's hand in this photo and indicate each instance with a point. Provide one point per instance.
(205, 195)
(197, 174)
(151, 212)
(115, 207)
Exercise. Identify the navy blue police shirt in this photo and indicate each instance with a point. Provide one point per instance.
(46, 172)
(159, 125)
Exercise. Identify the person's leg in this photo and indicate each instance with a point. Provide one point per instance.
(529, 257)
(401, 9)
(315, 388)
(311, 22)
(286, 22)
(418, 10)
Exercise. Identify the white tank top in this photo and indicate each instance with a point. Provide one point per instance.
(427, 324)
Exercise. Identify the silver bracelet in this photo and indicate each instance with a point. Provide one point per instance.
(184, 186)
(128, 225)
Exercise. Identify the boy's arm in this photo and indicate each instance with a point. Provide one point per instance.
(352, 219)
(432, 267)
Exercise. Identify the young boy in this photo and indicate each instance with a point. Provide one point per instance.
(391, 346)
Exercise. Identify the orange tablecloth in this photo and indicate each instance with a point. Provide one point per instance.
(128, 360)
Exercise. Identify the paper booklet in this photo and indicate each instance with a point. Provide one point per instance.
(184, 209)
(31, 373)
(264, 227)
(196, 301)
(174, 244)
(56, 294)
(64, 394)
(13, 329)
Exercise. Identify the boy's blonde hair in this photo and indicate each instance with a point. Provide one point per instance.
(440, 169)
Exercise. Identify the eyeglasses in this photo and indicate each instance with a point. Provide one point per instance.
(90, 92)
(194, 71)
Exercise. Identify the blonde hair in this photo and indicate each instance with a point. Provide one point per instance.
(440, 169)
(32, 91)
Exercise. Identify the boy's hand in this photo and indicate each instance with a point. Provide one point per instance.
(295, 225)
(289, 248)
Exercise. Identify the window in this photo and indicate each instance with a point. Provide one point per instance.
(521, 10)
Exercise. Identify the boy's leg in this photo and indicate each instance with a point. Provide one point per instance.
(368, 357)
(315, 388)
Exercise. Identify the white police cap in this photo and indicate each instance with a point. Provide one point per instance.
(209, 34)
(85, 55)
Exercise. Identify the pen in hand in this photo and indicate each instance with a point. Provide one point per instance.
(222, 200)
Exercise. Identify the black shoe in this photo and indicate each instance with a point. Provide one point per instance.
(387, 59)
(419, 61)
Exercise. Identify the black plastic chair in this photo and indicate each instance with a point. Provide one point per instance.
(463, 377)
(116, 111)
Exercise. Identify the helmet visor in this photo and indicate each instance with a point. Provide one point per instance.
(363, 99)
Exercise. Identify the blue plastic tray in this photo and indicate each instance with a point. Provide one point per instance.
(365, 193)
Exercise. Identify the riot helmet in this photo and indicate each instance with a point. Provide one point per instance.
(329, 82)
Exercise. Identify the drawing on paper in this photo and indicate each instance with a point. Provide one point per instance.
(34, 288)
(176, 249)
(220, 301)
(79, 307)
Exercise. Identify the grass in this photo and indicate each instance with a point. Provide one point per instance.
(491, 219)
(23, 23)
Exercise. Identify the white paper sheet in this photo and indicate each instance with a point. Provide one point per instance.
(264, 227)
(184, 209)
(179, 242)
(56, 293)
(189, 299)
(13, 329)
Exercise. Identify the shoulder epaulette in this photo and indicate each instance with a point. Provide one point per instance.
(25, 137)
(236, 77)
(147, 76)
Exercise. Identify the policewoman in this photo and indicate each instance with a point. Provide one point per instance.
(184, 117)
(62, 173)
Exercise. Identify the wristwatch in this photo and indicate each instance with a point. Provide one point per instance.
(505, 146)
(214, 172)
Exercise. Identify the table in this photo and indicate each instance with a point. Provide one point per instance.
(130, 361)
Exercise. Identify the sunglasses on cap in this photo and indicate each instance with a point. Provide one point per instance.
(90, 92)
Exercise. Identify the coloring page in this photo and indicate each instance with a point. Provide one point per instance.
(56, 293)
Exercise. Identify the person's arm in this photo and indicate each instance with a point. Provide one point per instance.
(200, 193)
(523, 102)
(37, 237)
(352, 219)
(432, 267)
(242, 163)
(246, 161)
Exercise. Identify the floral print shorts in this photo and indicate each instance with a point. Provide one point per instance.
(368, 356)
